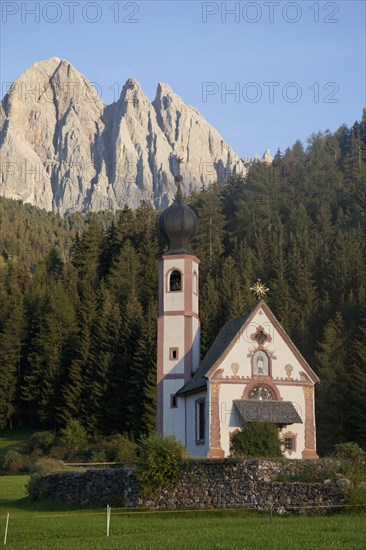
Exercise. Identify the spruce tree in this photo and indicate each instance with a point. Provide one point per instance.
(52, 353)
(11, 343)
(357, 389)
(231, 293)
(79, 376)
(124, 276)
(208, 245)
(104, 359)
(86, 251)
(210, 313)
(332, 404)
(142, 382)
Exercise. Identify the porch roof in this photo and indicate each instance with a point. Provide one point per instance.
(277, 412)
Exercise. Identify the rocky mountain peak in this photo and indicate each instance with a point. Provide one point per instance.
(62, 149)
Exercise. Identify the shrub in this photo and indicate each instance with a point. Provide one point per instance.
(59, 452)
(350, 452)
(355, 498)
(74, 435)
(15, 463)
(315, 471)
(161, 461)
(45, 465)
(121, 449)
(352, 461)
(33, 488)
(36, 454)
(99, 456)
(42, 441)
(37, 489)
(256, 440)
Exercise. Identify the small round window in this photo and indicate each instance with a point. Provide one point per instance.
(261, 393)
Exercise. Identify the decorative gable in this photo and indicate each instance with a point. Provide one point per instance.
(262, 350)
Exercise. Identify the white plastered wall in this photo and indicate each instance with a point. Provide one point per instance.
(233, 386)
(173, 301)
(193, 449)
(173, 338)
(181, 324)
(174, 418)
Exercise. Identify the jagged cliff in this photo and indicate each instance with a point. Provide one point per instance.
(62, 149)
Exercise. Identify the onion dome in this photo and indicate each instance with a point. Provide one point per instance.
(178, 224)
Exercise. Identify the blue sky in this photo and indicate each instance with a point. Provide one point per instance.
(295, 67)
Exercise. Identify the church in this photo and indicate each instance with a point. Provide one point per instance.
(252, 372)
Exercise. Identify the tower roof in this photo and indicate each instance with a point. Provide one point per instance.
(178, 225)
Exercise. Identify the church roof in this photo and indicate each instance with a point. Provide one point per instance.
(277, 412)
(228, 335)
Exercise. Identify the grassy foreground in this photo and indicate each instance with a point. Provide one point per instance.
(46, 525)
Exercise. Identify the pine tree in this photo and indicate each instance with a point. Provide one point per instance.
(353, 162)
(142, 382)
(208, 244)
(54, 349)
(132, 325)
(54, 263)
(230, 291)
(105, 357)
(279, 282)
(304, 295)
(210, 313)
(357, 400)
(332, 403)
(11, 343)
(79, 376)
(86, 251)
(357, 390)
(124, 276)
(148, 254)
(119, 386)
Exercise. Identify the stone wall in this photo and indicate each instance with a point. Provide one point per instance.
(115, 487)
(203, 484)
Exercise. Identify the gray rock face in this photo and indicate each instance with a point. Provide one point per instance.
(62, 149)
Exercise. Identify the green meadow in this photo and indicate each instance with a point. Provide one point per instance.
(50, 526)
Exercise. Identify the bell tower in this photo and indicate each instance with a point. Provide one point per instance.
(178, 322)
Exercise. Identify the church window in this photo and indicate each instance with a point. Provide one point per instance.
(289, 442)
(261, 393)
(173, 401)
(200, 422)
(173, 354)
(195, 283)
(175, 281)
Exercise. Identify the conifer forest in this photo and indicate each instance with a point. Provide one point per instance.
(79, 295)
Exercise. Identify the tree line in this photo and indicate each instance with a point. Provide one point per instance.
(78, 296)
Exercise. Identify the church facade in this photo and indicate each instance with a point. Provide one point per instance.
(252, 371)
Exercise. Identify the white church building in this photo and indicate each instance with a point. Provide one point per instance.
(252, 371)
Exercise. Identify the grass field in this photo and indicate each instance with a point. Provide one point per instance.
(46, 525)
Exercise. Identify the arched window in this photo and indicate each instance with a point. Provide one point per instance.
(261, 393)
(175, 281)
(195, 283)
